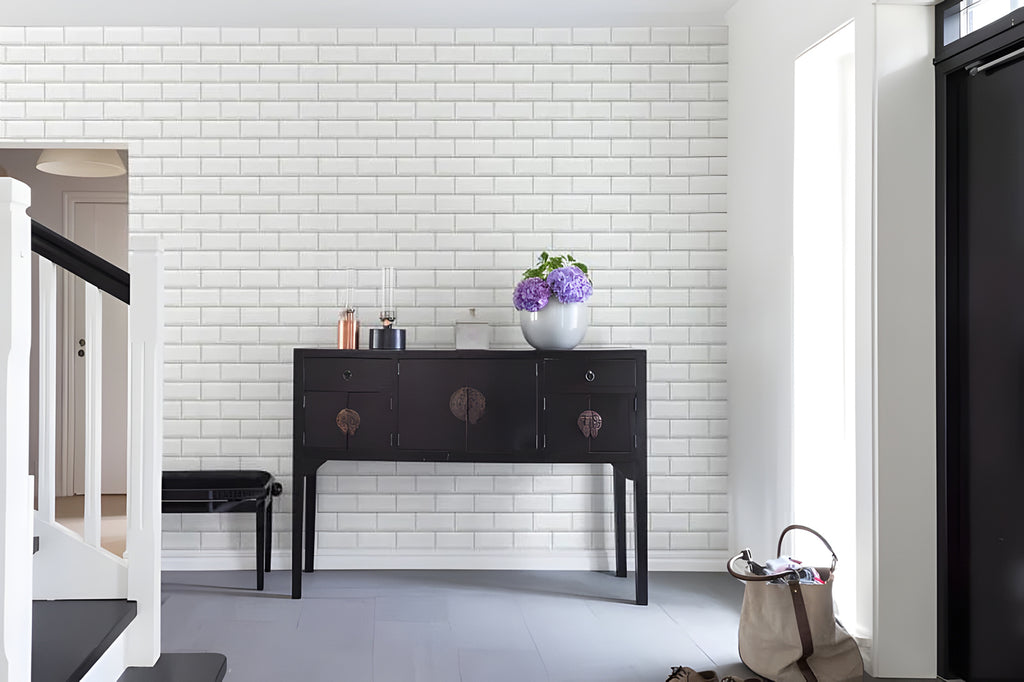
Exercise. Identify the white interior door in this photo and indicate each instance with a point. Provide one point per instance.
(102, 227)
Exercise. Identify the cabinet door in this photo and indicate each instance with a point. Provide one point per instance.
(484, 406)
(562, 434)
(508, 421)
(424, 390)
(599, 423)
(348, 421)
(617, 422)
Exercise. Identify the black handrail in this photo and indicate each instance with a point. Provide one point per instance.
(81, 261)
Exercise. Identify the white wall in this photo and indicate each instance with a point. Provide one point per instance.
(372, 13)
(272, 159)
(895, 349)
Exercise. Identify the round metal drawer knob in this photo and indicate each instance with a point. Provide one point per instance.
(347, 374)
(590, 376)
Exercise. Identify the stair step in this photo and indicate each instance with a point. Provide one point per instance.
(181, 668)
(35, 544)
(70, 635)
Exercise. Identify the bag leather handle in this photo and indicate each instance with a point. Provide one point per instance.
(746, 577)
(778, 551)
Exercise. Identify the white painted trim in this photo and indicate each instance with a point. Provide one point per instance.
(225, 560)
(93, 413)
(15, 483)
(67, 568)
(47, 353)
(114, 660)
(145, 444)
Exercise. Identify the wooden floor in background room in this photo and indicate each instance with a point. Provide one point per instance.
(113, 528)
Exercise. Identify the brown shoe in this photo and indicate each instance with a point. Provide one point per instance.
(680, 674)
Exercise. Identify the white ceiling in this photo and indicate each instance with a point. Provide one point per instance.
(364, 13)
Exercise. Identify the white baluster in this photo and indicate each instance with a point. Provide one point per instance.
(93, 413)
(145, 450)
(15, 490)
(47, 350)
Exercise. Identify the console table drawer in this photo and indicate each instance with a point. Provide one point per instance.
(349, 374)
(585, 375)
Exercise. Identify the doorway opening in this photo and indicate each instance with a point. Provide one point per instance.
(92, 212)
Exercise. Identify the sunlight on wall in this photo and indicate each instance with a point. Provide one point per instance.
(824, 481)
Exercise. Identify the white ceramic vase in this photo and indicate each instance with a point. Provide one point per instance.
(556, 326)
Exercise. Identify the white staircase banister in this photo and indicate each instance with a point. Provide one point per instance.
(46, 344)
(145, 448)
(93, 414)
(15, 499)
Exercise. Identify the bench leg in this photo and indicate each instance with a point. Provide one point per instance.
(310, 520)
(270, 533)
(261, 540)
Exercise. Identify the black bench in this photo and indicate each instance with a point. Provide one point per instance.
(201, 492)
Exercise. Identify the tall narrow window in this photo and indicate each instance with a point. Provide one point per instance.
(824, 481)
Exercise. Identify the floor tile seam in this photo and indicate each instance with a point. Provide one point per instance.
(686, 631)
(536, 648)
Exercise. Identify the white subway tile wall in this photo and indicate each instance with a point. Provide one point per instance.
(273, 160)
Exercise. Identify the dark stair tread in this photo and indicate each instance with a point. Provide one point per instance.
(181, 668)
(35, 544)
(70, 635)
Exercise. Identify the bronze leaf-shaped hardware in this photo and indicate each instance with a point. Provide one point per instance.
(590, 423)
(348, 421)
(467, 404)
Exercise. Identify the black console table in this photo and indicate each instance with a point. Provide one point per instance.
(472, 406)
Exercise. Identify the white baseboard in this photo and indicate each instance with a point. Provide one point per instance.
(480, 560)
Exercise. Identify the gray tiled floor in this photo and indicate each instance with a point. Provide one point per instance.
(454, 626)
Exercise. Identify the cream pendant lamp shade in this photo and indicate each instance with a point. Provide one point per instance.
(81, 163)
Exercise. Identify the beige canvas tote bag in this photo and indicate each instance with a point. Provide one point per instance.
(788, 631)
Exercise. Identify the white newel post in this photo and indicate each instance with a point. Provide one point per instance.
(46, 343)
(15, 501)
(145, 456)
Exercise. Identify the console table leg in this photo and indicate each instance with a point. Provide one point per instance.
(640, 524)
(298, 496)
(310, 520)
(619, 488)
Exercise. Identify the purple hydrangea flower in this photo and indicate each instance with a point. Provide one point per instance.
(531, 294)
(570, 285)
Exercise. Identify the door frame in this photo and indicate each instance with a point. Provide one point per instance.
(65, 483)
